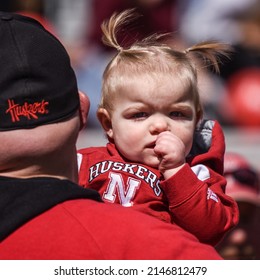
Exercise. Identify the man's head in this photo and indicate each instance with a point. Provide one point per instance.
(37, 83)
(39, 101)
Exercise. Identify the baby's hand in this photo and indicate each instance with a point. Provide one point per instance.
(171, 152)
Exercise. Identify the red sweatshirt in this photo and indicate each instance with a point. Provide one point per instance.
(52, 219)
(194, 198)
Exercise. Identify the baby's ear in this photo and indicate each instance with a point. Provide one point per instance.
(105, 120)
(84, 109)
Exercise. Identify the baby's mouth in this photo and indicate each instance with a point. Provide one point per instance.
(151, 145)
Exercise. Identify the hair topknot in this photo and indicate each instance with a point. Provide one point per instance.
(211, 51)
(114, 25)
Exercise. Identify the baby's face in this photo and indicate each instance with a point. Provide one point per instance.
(144, 109)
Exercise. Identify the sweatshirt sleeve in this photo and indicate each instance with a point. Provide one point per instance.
(196, 194)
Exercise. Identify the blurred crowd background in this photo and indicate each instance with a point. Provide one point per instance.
(232, 97)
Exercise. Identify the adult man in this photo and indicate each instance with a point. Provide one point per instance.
(43, 214)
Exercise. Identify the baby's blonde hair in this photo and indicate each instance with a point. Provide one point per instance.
(151, 57)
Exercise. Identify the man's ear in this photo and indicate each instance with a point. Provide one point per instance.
(105, 120)
(84, 109)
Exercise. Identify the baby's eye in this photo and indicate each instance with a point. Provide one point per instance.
(139, 115)
(177, 114)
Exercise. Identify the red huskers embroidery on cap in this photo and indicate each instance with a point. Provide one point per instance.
(28, 110)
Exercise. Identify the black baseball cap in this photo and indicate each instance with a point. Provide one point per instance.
(37, 83)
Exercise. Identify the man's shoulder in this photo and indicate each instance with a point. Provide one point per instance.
(87, 229)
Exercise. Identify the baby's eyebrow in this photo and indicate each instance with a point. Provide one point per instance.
(139, 106)
(182, 106)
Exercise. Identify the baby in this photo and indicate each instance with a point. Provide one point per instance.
(162, 158)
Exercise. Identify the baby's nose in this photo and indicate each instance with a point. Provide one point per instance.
(159, 125)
